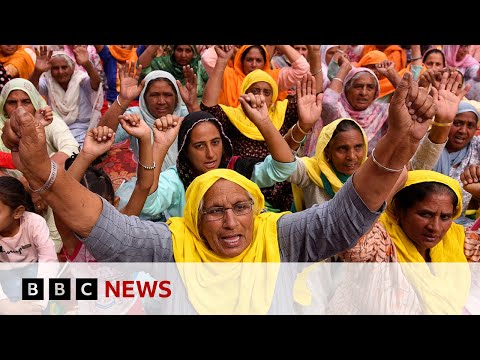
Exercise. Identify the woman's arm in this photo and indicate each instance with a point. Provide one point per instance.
(130, 89)
(147, 56)
(136, 127)
(82, 58)
(42, 64)
(215, 80)
(288, 76)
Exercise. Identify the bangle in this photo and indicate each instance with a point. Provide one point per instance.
(299, 128)
(297, 142)
(414, 59)
(442, 124)
(118, 102)
(336, 78)
(51, 179)
(317, 72)
(383, 167)
(147, 167)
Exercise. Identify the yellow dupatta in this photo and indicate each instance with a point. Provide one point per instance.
(276, 111)
(319, 165)
(442, 287)
(219, 285)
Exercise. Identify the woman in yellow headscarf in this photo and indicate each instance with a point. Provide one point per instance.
(292, 117)
(417, 228)
(209, 286)
(341, 149)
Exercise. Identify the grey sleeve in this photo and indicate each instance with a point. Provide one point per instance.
(120, 238)
(324, 230)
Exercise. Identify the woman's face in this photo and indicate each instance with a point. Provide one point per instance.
(346, 150)
(302, 50)
(262, 88)
(232, 234)
(183, 54)
(427, 221)
(61, 70)
(434, 61)
(330, 53)
(462, 51)
(463, 129)
(7, 50)
(362, 92)
(160, 98)
(253, 60)
(205, 148)
(18, 98)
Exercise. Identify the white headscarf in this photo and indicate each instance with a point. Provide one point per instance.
(180, 110)
(66, 103)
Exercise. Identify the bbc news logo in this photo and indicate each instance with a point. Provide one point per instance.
(87, 289)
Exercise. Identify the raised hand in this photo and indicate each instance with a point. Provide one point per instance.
(44, 116)
(385, 68)
(427, 78)
(342, 58)
(224, 52)
(255, 107)
(24, 135)
(135, 126)
(81, 54)
(42, 63)
(98, 141)
(189, 91)
(450, 93)
(470, 179)
(309, 103)
(410, 110)
(166, 128)
(130, 89)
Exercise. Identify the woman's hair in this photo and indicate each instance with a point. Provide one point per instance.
(184, 167)
(345, 125)
(95, 179)
(413, 194)
(259, 47)
(13, 194)
(350, 82)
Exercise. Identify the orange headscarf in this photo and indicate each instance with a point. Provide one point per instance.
(397, 55)
(394, 53)
(376, 57)
(233, 78)
(123, 54)
(21, 60)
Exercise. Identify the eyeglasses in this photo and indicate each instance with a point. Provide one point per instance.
(218, 212)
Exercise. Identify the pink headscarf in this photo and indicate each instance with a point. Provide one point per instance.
(372, 118)
(450, 52)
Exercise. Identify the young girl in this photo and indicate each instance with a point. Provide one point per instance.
(24, 238)
(24, 235)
